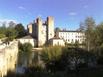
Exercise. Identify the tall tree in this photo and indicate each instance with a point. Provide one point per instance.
(89, 25)
(20, 30)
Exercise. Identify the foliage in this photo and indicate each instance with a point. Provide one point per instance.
(25, 51)
(74, 58)
(20, 30)
(51, 56)
(89, 32)
(51, 53)
(3, 30)
(2, 36)
(8, 32)
(11, 34)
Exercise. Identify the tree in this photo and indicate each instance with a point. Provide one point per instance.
(12, 24)
(3, 30)
(2, 36)
(81, 26)
(57, 29)
(20, 30)
(89, 25)
(99, 38)
(99, 30)
(11, 34)
(76, 58)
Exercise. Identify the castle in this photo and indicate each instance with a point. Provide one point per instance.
(42, 31)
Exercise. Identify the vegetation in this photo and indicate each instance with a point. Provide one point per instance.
(12, 32)
(65, 61)
(25, 51)
(20, 30)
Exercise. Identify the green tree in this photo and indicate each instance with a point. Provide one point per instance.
(11, 34)
(81, 27)
(3, 30)
(20, 30)
(2, 36)
(99, 30)
(89, 25)
(99, 38)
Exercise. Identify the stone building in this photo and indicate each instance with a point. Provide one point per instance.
(42, 31)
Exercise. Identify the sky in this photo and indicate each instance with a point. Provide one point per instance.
(67, 13)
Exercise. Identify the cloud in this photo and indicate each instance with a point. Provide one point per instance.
(72, 13)
(21, 7)
(7, 21)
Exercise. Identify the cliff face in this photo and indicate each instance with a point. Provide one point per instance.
(8, 58)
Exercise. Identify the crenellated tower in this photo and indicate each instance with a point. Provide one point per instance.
(50, 27)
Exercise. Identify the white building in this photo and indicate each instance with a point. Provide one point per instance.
(72, 36)
(57, 42)
(27, 39)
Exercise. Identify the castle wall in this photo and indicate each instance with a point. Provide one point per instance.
(8, 58)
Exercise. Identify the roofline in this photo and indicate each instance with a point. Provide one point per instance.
(70, 31)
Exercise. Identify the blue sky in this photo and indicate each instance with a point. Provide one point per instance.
(67, 13)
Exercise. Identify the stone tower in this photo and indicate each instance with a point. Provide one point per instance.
(42, 31)
(30, 28)
(39, 31)
(50, 27)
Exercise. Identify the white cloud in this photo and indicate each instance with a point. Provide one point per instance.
(7, 21)
(72, 13)
(21, 7)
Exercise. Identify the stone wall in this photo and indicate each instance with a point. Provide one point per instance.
(8, 58)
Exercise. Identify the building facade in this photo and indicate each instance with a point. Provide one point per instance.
(71, 37)
(27, 39)
(42, 31)
(57, 42)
